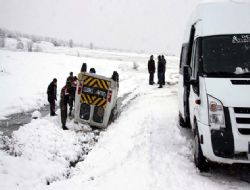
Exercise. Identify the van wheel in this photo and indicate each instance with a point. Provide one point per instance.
(199, 159)
(113, 114)
(181, 121)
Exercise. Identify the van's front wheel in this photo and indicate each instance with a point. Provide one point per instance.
(182, 122)
(199, 159)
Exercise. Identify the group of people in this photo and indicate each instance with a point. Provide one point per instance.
(67, 96)
(161, 69)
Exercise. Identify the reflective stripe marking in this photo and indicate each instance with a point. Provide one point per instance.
(102, 103)
(104, 84)
(99, 83)
(87, 81)
(97, 101)
(93, 98)
(92, 82)
(84, 99)
(89, 99)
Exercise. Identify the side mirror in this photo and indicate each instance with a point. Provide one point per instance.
(186, 75)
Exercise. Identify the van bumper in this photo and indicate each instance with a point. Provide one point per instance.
(235, 156)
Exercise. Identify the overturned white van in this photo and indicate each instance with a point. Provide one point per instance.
(96, 98)
(214, 83)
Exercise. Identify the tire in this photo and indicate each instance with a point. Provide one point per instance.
(182, 122)
(113, 114)
(199, 159)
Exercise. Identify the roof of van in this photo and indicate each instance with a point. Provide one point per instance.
(223, 17)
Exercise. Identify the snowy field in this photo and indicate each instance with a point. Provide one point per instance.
(143, 149)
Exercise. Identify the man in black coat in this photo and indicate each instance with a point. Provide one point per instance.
(51, 91)
(84, 67)
(164, 62)
(70, 77)
(160, 71)
(151, 69)
(72, 94)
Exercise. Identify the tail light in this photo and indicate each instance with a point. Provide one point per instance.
(109, 95)
(79, 90)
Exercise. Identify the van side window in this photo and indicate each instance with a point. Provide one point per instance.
(195, 66)
(195, 60)
(183, 59)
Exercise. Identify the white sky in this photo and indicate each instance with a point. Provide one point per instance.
(149, 25)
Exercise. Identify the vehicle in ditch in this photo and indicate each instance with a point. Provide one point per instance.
(96, 99)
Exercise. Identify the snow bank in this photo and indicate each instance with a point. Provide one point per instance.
(41, 154)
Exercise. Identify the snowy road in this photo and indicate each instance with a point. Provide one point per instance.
(143, 149)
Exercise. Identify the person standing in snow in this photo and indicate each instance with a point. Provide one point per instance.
(72, 93)
(84, 67)
(51, 91)
(70, 78)
(71, 98)
(151, 69)
(164, 62)
(65, 93)
(160, 71)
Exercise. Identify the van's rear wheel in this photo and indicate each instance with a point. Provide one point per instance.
(199, 159)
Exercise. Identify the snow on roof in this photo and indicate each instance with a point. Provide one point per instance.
(220, 17)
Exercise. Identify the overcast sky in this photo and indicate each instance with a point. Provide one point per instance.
(148, 25)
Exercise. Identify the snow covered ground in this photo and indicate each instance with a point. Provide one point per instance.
(143, 149)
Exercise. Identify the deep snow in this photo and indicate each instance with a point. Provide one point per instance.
(143, 149)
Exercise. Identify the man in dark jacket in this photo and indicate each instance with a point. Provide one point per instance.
(65, 93)
(51, 91)
(151, 69)
(84, 67)
(160, 71)
(71, 77)
(164, 62)
(72, 93)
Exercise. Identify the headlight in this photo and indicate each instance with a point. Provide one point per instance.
(216, 113)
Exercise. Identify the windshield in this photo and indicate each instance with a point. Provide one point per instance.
(227, 55)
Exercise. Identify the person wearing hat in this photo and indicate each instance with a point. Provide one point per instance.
(51, 91)
(160, 71)
(84, 67)
(92, 70)
(164, 62)
(71, 77)
(151, 69)
(65, 93)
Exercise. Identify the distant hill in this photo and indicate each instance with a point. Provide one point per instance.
(19, 41)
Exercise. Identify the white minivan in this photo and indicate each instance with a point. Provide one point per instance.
(214, 82)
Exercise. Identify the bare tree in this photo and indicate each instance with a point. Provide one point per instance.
(2, 38)
(91, 45)
(30, 46)
(71, 44)
(19, 44)
(2, 41)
